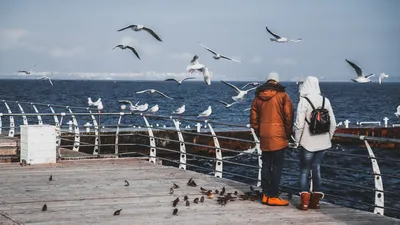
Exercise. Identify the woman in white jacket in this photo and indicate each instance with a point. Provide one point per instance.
(313, 146)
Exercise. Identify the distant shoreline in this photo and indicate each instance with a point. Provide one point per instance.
(194, 81)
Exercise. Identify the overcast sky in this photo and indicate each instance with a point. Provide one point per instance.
(74, 38)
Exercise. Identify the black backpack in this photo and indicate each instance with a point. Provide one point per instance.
(320, 120)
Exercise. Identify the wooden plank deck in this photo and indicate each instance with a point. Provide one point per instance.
(89, 191)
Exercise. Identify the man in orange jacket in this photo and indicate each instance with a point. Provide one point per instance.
(271, 117)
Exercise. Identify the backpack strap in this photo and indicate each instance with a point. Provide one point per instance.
(308, 100)
(323, 102)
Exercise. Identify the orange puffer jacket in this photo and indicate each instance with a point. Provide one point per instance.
(271, 116)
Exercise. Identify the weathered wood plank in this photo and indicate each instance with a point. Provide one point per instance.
(89, 191)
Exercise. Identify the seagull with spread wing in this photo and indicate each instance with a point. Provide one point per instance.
(361, 78)
(181, 80)
(141, 108)
(137, 27)
(217, 55)
(227, 105)
(241, 93)
(251, 83)
(124, 47)
(27, 72)
(195, 65)
(46, 78)
(280, 39)
(91, 103)
(152, 91)
(131, 106)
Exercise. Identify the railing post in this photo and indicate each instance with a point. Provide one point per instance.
(77, 138)
(379, 195)
(152, 142)
(96, 133)
(40, 121)
(11, 132)
(218, 153)
(182, 146)
(1, 124)
(24, 119)
(259, 152)
(59, 130)
(57, 124)
(117, 132)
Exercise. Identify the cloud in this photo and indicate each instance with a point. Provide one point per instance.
(141, 47)
(59, 52)
(255, 60)
(182, 56)
(145, 75)
(56, 51)
(285, 62)
(12, 38)
(22, 38)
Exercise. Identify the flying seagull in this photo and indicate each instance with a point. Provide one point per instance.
(26, 72)
(251, 83)
(46, 78)
(206, 113)
(179, 81)
(381, 76)
(195, 59)
(227, 105)
(217, 55)
(131, 106)
(195, 65)
(179, 110)
(152, 91)
(280, 39)
(361, 78)
(241, 93)
(91, 103)
(137, 27)
(398, 111)
(127, 47)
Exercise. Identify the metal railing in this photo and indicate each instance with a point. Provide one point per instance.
(225, 162)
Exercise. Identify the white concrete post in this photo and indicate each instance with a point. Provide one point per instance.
(198, 125)
(87, 126)
(346, 123)
(70, 125)
(386, 121)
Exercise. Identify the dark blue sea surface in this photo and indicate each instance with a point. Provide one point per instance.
(352, 101)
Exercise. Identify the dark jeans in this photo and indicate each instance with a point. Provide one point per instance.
(272, 163)
(310, 161)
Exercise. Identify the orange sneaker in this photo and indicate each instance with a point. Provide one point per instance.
(277, 202)
(264, 199)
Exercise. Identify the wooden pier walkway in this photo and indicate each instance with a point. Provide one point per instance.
(90, 191)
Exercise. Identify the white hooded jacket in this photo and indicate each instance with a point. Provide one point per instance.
(310, 89)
